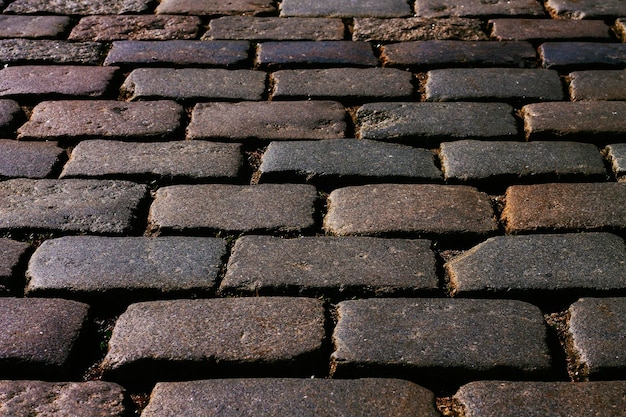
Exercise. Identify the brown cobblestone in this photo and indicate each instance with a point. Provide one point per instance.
(416, 29)
(215, 7)
(275, 28)
(345, 8)
(620, 28)
(548, 29)
(617, 157)
(598, 85)
(32, 26)
(143, 27)
(28, 159)
(586, 9)
(470, 8)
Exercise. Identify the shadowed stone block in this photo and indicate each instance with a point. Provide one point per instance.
(345, 8)
(28, 159)
(586, 9)
(215, 7)
(444, 8)
(416, 29)
(10, 111)
(275, 28)
(12, 253)
(290, 54)
(32, 26)
(548, 29)
(83, 7)
(42, 51)
(598, 85)
(143, 27)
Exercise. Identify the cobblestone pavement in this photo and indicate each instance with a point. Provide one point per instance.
(312, 208)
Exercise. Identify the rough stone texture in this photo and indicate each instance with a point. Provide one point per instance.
(28, 159)
(75, 7)
(9, 112)
(583, 55)
(586, 9)
(620, 28)
(142, 27)
(493, 84)
(76, 119)
(29, 51)
(428, 122)
(416, 29)
(349, 84)
(12, 253)
(288, 54)
(61, 399)
(194, 84)
(234, 208)
(428, 337)
(37, 335)
(598, 85)
(272, 397)
(345, 8)
(565, 207)
(486, 161)
(32, 26)
(422, 209)
(216, 7)
(330, 266)
(504, 265)
(617, 157)
(597, 327)
(345, 161)
(178, 52)
(548, 29)
(275, 28)
(173, 161)
(210, 334)
(268, 120)
(526, 399)
(56, 81)
(69, 205)
(445, 8)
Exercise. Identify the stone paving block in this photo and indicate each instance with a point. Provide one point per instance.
(234, 208)
(478, 8)
(109, 268)
(216, 7)
(597, 327)
(204, 335)
(10, 111)
(38, 81)
(173, 161)
(620, 28)
(12, 254)
(272, 397)
(28, 159)
(330, 266)
(586, 9)
(440, 338)
(416, 29)
(289, 54)
(501, 398)
(494, 84)
(598, 85)
(358, 84)
(451, 53)
(83, 7)
(275, 28)
(178, 52)
(432, 210)
(617, 157)
(92, 206)
(32, 26)
(77, 119)
(38, 335)
(570, 262)
(62, 399)
(142, 27)
(548, 29)
(268, 120)
(194, 84)
(345, 8)
(428, 122)
(589, 121)
(565, 207)
(45, 51)
(344, 161)
(583, 55)
(488, 161)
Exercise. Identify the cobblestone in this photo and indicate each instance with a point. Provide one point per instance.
(416, 29)
(586, 9)
(583, 55)
(548, 29)
(617, 157)
(345, 8)
(290, 54)
(83, 7)
(445, 8)
(12, 255)
(10, 112)
(598, 85)
(46, 51)
(32, 26)
(142, 27)
(215, 7)
(275, 28)
(28, 159)
(620, 28)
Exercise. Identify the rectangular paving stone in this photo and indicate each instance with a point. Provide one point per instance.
(12, 255)
(445, 339)
(586, 9)
(107, 269)
(549, 29)
(617, 157)
(346, 161)
(329, 266)
(194, 84)
(598, 85)
(469, 8)
(493, 84)
(417, 29)
(345, 8)
(46, 51)
(141, 27)
(268, 120)
(28, 159)
(275, 28)
(289, 54)
(567, 56)
(92, 206)
(233, 208)
(271, 334)
(32, 26)
(565, 207)
(10, 113)
(170, 161)
(272, 397)
(83, 7)
(216, 7)
(110, 119)
(431, 210)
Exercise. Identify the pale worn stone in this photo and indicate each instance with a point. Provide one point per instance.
(417, 29)
(345, 8)
(617, 157)
(469, 8)
(598, 85)
(275, 28)
(28, 159)
(548, 29)
(77, 7)
(45, 51)
(586, 9)
(215, 7)
(142, 27)
(32, 26)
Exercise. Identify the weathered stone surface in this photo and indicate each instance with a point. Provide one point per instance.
(423, 121)
(565, 207)
(330, 266)
(29, 51)
(142, 27)
(598, 85)
(417, 29)
(77, 119)
(73, 7)
(12, 253)
(210, 334)
(597, 327)
(345, 8)
(9, 112)
(173, 161)
(69, 205)
(28, 159)
(272, 397)
(422, 209)
(586, 9)
(268, 120)
(586, 262)
(444, 8)
(583, 55)
(194, 84)
(234, 208)
(438, 338)
(501, 398)
(288, 54)
(548, 29)
(37, 335)
(32, 26)
(494, 84)
(620, 28)
(215, 7)
(62, 399)
(275, 28)
(617, 156)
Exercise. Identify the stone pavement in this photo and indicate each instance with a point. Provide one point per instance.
(312, 208)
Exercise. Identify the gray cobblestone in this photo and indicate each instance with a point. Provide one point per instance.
(416, 29)
(143, 27)
(598, 85)
(12, 254)
(275, 28)
(617, 157)
(29, 51)
(444, 8)
(10, 111)
(84, 7)
(548, 29)
(289, 54)
(32, 26)
(215, 7)
(583, 55)
(28, 159)
(345, 8)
